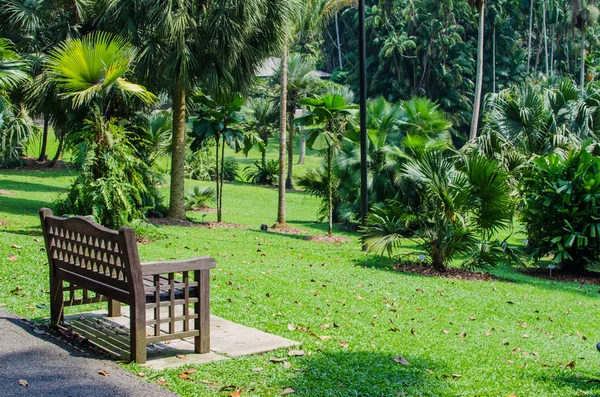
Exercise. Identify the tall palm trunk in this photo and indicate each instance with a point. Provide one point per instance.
(330, 187)
(494, 58)
(289, 183)
(222, 177)
(43, 156)
(582, 77)
(530, 34)
(545, 28)
(339, 45)
(479, 81)
(282, 138)
(302, 154)
(217, 174)
(61, 141)
(177, 195)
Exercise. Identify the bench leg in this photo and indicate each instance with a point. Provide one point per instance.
(57, 315)
(114, 308)
(138, 331)
(202, 310)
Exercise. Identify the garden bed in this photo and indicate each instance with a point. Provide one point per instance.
(588, 277)
(186, 223)
(453, 273)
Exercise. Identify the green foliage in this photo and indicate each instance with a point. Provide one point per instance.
(114, 185)
(263, 173)
(199, 197)
(316, 183)
(200, 165)
(561, 210)
(464, 201)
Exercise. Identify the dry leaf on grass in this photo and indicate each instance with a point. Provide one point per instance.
(23, 382)
(293, 353)
(103, 373)
(401, 360)
(288, 390)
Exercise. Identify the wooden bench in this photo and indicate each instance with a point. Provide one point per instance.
(90, 263)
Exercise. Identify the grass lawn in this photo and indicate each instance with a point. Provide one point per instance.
(354, 314)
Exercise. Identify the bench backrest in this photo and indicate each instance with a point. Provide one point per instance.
(88, 251)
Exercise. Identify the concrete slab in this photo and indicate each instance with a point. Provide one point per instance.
(228, 340)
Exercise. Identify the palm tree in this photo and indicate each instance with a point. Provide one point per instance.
(326, 122)
(262, 117)
(480, 5)
(300, 79)
(216, 44)
(583, 16)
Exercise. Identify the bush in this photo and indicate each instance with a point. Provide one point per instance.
(199, 196)
(113, 186)
(264, 174)
(200, 166)
(561, 210)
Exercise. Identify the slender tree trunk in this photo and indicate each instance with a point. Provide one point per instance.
(494, 59)
(302, 154)
(582, 77)
(263, 158)
(61, 142)
(43, 156)
(552, 45)
(339, 45)
(479, 81)
(545, 28)
(530, 34)
(177, 196)
(220, 205)
(330, 187)
(289, 183)
(282, 143)
(217, 174)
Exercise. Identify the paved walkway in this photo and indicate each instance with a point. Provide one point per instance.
(52, 367)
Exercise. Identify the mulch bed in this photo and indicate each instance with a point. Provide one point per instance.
(287, 230)
(328, 239)
(585, 278)
(453, 273)
(31, 164)
(209, 225)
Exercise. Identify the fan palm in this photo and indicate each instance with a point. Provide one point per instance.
(262, 117)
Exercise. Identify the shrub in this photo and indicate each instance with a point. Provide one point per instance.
(199, 196)
(114, 186)
(200, 165)
(561, 211)
(266, 173)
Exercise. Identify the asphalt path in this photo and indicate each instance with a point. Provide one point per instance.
(37, 362)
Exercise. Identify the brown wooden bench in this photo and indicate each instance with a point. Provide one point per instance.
(90, 263)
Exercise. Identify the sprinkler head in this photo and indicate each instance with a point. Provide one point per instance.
(598, 346)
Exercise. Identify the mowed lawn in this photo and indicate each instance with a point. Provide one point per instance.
(354, 315)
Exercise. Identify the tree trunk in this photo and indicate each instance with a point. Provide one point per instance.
(220, 204)
(436, 259)
(302, 154)
(282, 138)
(289, 183)
(61, 142)
(177, 196)
(330, 187)
(545, 29)
(339, 45)
(43, 156)
(582, 77)
(217, 173)
(494, 58)
(530, 35)
(552, 45)
(479, 81)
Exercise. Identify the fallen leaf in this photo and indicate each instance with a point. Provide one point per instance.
(184, 376)
(256, 369)
(23, 382)
(287, 365)
(570, 365)
(141, 374)
(11, 257)
(293, 353)
(288, 390)
(401, 360)
(444, 331)
(344, 344)
(324, 337)
(103, 373)
(181, 356)
(291, 327)
(456, 375)
(190, 371)
(162, 381)
(463, 335)
(277, 360)
(430, 371)
(324, 326)
(15, 246)
(419, 290)
(472, 318)
(237, 393)
(524, 336)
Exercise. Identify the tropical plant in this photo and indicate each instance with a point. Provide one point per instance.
(264, 172)
(326, 121)
(200, 165)
(222, 122)
(199, 197)
(262, 117)
(464, 202)
(561, 211)
(215, 44)
(316, 183)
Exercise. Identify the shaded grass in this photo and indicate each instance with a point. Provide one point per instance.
(515, 336)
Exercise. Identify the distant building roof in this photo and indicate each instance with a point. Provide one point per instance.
(270, 66)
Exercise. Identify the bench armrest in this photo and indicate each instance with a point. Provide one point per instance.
(154, 268)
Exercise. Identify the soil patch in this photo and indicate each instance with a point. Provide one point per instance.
(453, 273)
(186, 223)
(328, 239)
(287, 230)
(557, 275)
(31, 164)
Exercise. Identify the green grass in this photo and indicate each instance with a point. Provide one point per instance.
(520, 334)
